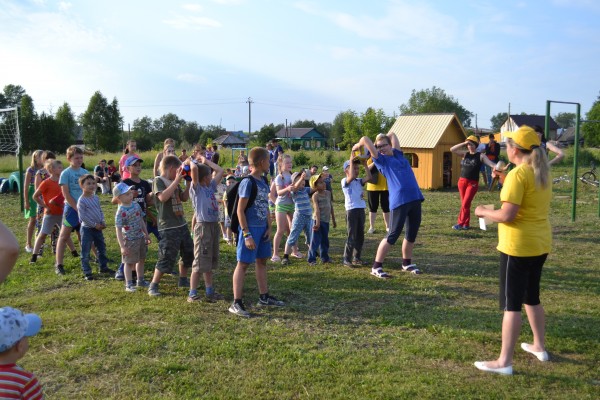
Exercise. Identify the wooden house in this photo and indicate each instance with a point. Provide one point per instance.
(426, 140)
(308, 138)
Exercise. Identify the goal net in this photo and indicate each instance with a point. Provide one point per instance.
(10, 138)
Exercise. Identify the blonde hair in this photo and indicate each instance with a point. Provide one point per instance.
(257, 154)
(51, 164)
(537, 160)
(169, 141)
(35, 156)
(281, 159)
(168, 162)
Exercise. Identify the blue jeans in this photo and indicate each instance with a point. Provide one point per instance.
(89, 236)
(300, 222)
(319, 242)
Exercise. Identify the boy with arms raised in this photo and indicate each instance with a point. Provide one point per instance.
(92, 225)
(174, 232)
(15, 330)
(207, 232)
(254, 244)
(131, 234)
(69, 185)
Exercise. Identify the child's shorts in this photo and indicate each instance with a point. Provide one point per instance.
(137, 251)
(49, 222)
(263, 246)
(173, 241)
(207, 236)
(70, 217)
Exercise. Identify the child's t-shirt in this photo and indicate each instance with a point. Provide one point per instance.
(70, 177)
(284, 181)
(323, 206)
(206, 207)
(125, 174)
(353, 194)
(170, 213)
(302, 201)
(22, 384)
(49, 190)
(257, 215)
(89, 211)
(142, 188)
(130, 219)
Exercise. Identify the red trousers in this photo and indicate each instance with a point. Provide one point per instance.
(467, 189)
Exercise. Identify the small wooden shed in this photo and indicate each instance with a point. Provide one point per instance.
(426, 140)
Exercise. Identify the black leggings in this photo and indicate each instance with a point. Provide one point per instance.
(374, 196)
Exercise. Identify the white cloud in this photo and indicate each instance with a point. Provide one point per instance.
(192, 7)
(192, 22)
(64, 6)
(229, 2)
(191, 78)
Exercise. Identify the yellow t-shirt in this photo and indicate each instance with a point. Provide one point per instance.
(381, 181)
(529, 234)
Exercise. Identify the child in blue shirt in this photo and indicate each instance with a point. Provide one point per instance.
(254, 244)
(207, 232)
(355, 205)
(301, 220)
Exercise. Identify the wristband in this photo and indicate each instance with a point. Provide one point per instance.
(247, 235)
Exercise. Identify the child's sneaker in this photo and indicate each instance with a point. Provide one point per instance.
(107, 270)
(120, 274)
(270, 301)
(285, 261)
(214, 297)
(33, 259)
(358, 262)
(312, 263)
(28, 249)
(153, 291)
(239, 310)
(142, 283)
(183, 282)
(74, 253)
(88, 277)
(59, 269)
(130, 288)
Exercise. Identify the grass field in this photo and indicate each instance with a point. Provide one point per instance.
(343, 334)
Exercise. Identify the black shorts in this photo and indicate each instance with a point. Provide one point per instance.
(374, 196)
(520, 281)
(409, 214)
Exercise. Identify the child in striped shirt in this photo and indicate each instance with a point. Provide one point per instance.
(92, 222)
(302, 214)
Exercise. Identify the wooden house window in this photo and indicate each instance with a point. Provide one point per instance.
(413, 159)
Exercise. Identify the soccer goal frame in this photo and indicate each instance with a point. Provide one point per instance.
(10, 141)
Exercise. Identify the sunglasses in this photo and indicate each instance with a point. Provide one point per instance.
(381, 146)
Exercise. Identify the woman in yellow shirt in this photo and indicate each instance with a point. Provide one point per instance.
(524, 241)
(377, 193)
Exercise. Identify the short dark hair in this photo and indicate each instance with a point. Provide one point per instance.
(86, 177)
(492, 136)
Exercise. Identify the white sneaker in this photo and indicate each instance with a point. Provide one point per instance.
(28, 249)
(371, 231)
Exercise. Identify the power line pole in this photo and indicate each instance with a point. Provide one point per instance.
(249, 101)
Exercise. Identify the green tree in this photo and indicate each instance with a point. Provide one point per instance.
(143, 133)
(210, 133)
(267, 133)
(337, 129)
(64, 134)
(374, 122)
(102, 123)
(591, 130)
(498, 120)
(435, 100)
(12, 96)
(565, 119)
(191, 132)
(168, 126)
(352, 129)
(29, 124)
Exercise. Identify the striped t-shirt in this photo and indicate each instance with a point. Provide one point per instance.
(302, 201)
(16, 383)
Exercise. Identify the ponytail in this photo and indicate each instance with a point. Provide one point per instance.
(541, 169)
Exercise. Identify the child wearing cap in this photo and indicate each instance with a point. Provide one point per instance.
(323, 210)
(302, 213)
(129, 151)
(92, 225)
(131, 234)
(207, 233)
(142, 195)
(15, 330)
(174, 232)
(355, 205)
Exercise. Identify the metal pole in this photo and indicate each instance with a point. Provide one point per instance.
(575, 164)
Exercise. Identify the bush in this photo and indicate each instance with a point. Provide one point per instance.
(301, 159)
(296, 146)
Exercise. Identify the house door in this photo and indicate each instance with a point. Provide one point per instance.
(447, 172)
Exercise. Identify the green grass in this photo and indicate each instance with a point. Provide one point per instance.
(343, 334)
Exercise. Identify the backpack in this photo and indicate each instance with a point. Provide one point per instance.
(232, 202)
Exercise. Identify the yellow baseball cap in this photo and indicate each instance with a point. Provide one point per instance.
(525, 137)
(473, 138)
(313, 180)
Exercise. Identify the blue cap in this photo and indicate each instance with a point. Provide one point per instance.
(346, 164)
(131, 160)
(14, 325)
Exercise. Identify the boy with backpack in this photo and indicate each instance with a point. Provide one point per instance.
(254, 232)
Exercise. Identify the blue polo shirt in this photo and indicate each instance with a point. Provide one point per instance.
(401, 180)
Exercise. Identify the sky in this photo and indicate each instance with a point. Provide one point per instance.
(300, 60)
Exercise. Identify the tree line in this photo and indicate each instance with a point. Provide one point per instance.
(102, 123)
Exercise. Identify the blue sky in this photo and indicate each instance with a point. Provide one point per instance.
(300, 59)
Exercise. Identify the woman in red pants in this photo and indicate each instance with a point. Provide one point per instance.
(468, 183)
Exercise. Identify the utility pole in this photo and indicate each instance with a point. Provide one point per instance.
(249, 101)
